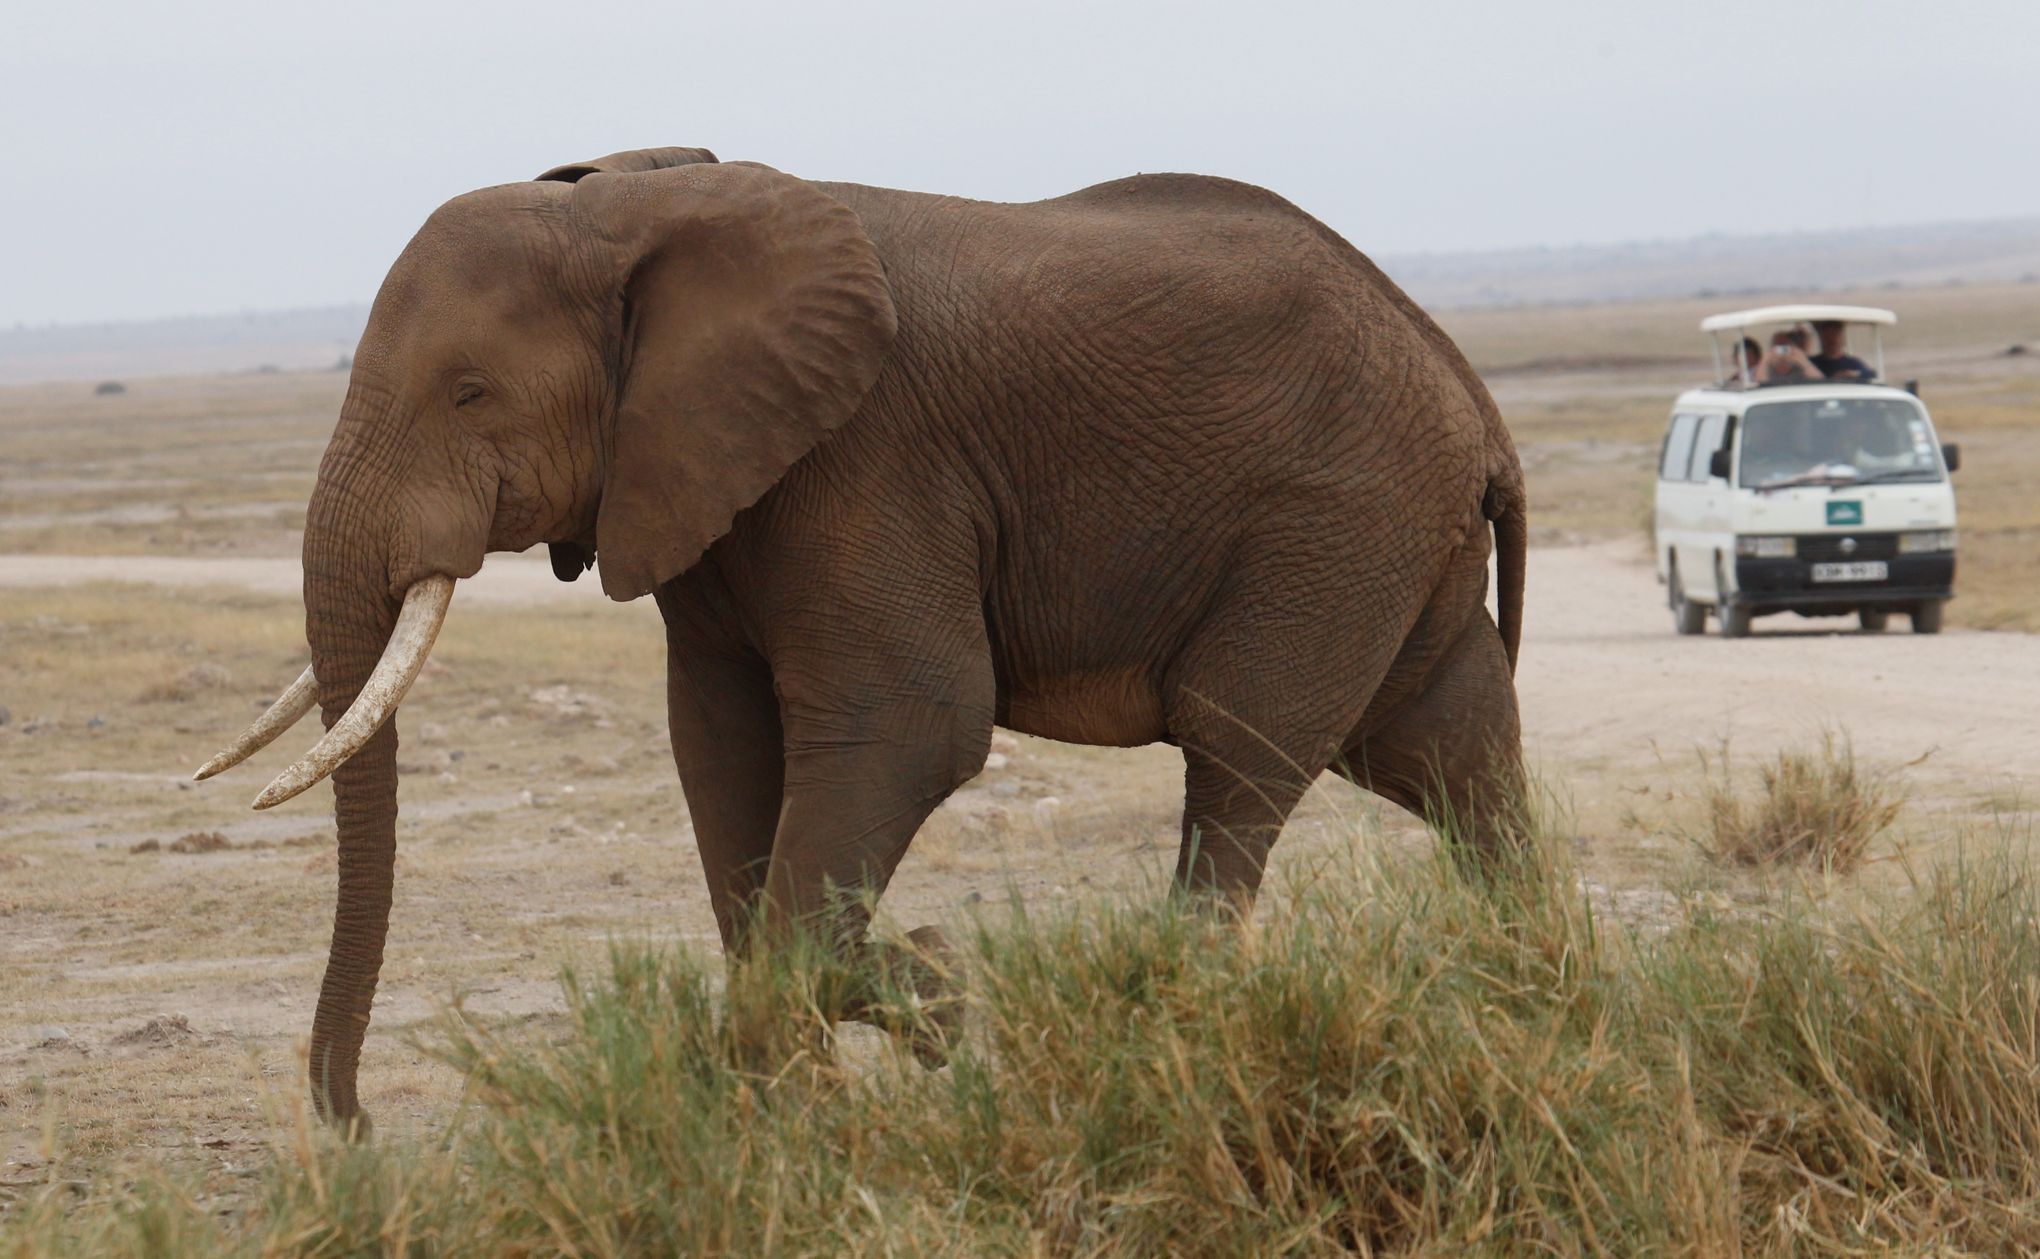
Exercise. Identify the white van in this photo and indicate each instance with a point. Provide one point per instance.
(1824, 498)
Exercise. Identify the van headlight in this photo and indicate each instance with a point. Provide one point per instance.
(1929, 540)
(1753, 546)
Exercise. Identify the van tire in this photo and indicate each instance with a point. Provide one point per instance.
(1926, 616)
(1873, 620)
(1735, 617)
(1688, 617)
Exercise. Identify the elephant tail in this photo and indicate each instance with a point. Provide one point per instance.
(1504, 504)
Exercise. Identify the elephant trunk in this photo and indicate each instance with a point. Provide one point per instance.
(348, 618)
(368, 644)
(379, 575)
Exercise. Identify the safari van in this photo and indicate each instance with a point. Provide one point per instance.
(1820, 497)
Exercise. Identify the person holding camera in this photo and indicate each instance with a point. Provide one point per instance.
(1787, 362)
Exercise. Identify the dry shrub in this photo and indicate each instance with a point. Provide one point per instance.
(1816, 808)
(165, 1029)
(200, 842)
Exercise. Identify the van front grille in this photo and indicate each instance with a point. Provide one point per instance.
(1821, 548)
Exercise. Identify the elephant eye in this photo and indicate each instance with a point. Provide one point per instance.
(467, 393)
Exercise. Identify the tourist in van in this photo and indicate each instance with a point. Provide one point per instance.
(1742, 368)
(1834, 360)
(1787, 363)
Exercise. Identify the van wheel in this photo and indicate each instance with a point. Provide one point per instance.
(1735, 618)
(1873, 622)
(1926, 617)
(1688, 617)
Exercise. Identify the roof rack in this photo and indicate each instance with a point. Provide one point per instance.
(1740, 321)
(1796, 314)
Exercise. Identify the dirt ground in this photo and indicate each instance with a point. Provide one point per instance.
(160, 945)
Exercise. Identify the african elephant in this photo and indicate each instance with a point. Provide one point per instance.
(1161, 460)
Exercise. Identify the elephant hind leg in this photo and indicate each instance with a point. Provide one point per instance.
(1256, 730)
(1236, 798)
(1453, 754)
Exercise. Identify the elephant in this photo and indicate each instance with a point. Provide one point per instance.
(1161, 460)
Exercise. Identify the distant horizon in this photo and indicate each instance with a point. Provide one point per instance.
(1384, 260)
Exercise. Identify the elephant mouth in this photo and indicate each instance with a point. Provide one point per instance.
(410, 642)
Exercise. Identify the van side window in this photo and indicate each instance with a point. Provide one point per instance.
(1705, 442)
(1678, 448)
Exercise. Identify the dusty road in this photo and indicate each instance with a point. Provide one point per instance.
(1603, 678)
(1604, 682)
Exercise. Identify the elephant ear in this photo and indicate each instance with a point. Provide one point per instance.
(628, 162)
(753, 317)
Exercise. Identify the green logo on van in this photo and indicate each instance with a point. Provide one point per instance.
(1845, 513)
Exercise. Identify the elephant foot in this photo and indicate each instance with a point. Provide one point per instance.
(355, 1128)
(923, 976)
(939, 993)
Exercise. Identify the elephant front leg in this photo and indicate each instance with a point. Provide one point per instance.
(729, 749)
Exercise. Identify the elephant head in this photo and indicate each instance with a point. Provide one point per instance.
(615, 358)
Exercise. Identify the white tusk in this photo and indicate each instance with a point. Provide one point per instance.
(417, 626)
(294, 703)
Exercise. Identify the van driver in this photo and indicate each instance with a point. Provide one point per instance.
(1781, 448)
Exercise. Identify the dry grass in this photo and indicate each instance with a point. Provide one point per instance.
(175, 466)
(1392, 1061)
(1814, 808)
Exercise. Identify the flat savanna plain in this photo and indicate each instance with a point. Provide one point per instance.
(160, 945)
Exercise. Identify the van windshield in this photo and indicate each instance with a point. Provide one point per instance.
(1836, 441)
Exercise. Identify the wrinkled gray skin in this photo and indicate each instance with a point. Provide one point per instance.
(1161, 460)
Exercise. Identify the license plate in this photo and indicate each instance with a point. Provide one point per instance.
(1860, 570)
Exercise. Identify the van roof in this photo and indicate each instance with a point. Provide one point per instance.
(1736, 400)
(1761, 315)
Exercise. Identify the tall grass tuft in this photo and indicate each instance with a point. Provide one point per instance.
(1815, 808)
(1391, 1059)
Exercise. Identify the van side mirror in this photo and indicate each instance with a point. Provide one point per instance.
(1951, 454)
(1913, 386)
(1717, 464)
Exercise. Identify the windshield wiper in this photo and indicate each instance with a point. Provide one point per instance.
(1802, 478)
(1897, 474)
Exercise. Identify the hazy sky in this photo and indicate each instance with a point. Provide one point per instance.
(204, 157)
